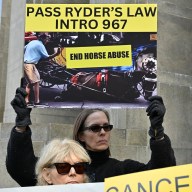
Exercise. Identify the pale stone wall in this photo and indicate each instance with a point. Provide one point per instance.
(4, 44)
(175, 73)
(129, 138)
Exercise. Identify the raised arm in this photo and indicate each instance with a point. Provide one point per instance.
(162, 152)
(20, 159)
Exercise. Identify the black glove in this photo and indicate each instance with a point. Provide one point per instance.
(156, 111)
(20, 107)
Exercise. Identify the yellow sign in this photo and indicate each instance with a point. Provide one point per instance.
(98, 56)
(91, 17)
(61, 58)
(173, 179)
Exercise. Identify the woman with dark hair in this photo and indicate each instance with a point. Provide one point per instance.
(92, 130)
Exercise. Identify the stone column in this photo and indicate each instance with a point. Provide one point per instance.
(4, 43)
(15, 33)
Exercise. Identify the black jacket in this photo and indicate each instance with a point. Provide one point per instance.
(20, 160)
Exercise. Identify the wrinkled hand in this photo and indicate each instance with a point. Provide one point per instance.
(156, 111)
(20, 107)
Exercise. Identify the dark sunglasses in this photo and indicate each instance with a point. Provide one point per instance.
(64, 168)
(97, 128)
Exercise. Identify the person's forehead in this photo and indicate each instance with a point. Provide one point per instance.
(96, 117)
(72, 158)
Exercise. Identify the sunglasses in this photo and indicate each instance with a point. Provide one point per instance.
(64, 168)
(97, 128)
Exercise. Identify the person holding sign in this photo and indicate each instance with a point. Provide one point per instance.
(34, 52)
(62, 162)
(92, 129)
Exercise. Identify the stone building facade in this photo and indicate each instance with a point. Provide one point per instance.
(129, 138)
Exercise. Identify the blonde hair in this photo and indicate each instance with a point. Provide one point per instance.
(55, 152)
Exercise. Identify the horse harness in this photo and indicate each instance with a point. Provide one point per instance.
(101, 79)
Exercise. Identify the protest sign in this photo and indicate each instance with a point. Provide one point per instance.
(108, 54)
(88, 187)
(175, 179)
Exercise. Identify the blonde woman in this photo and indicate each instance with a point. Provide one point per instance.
(62, 162)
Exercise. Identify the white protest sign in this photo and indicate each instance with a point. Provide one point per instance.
(86, 187)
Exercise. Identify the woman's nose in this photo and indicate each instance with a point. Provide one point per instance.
(72, 171)
(102, 131)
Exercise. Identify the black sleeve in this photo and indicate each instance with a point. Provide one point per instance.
(20, 159)
(162, 156)
(162, 153)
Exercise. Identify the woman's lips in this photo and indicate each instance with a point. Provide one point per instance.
(102, 142)
(72, 182)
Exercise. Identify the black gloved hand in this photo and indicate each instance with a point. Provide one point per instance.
(20, 107)
(156, 111)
